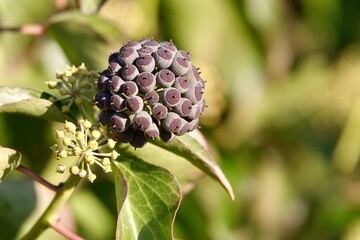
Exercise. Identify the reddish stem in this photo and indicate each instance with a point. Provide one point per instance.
(39, 179)
(29, 29)
(65, 232)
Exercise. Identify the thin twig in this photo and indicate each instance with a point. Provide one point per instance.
(64, 231)
(39, 179)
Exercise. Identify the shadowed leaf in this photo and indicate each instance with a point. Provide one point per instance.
(9, 160)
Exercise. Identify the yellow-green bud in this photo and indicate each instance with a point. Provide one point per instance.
(95, 134)
(86, 124)
(82, 67)
(78, 101)
(90, 159)
(68, 73)
(107, 169)
(77, 151)
(93, 145)
(52, 84)
(65, 109)
(106, 162)
(55, 148)
(82, 173)
(71, 79)
(111, 143)
(63, 154)
(91, 177)
(70, 127)
(59, 74)
(114, 154)
(67, 141)
(60, 134)
(74, 170)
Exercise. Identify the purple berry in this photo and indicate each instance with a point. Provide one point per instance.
(134, 45)
(146, 82)
(117, 102)
(166, 136)
(139, 139)
(127, 55)
(183, 129)
(184, 54)
(113, 57)
(129, 72)
(169, 46)
(163, 58)
(152, 97)
(102, 100)
(165, 78)
(159, 111)
(194, 93)
(181, 84)
(119, 121)
(145, 63)
(113, 68)
(195, 111)
(183, 108)
(150, 43)
(193, 124)
(134, 104)
(180, 66)
(104, 117)
(126, 136)
(145, 51)
(142, 120)
(170, 97)
(102, 83)
(152, 132)
(129, 88)
(172, 122)
(115, 83)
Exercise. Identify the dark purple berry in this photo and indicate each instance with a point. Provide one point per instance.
(134, 45)
(152, 97)
(163, 58)
(129, 72)
(184, 54)
(169, 46)
(180, 66)
(102, 83)
(165, 78)
(139, 139)
(183, 108)
(159, 111)
(125, 136)
(170, 97)
(129, 88)
(146, 82)
(119, 121)
(115, 83)
(102, 100)
(134, 104)
(104, 117)
(183, 129)
(117, 102)
(172, 122)
(113, 57)
(127, 55)
(181, 84)
(152, 132)
(166, 136)
(142, 120)
(193, 124)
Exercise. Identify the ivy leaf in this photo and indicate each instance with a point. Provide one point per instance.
(153, 198)
(189, 148)
(9, 160)
(29, 102)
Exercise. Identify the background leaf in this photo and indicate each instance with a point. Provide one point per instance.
(152, 201)
(9, 160)
(187, 147)
(29, 102)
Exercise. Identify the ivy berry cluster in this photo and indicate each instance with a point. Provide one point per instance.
(149, 89)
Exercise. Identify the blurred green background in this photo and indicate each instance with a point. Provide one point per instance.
(283, 116)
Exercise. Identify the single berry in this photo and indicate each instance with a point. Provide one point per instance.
(183, 108)
(102, 100)
(117, 102)
(139, 139)
(134, 104)
(129, 89)
(145, 51)
(145, 63)
(142, 120)
(163, 58)
(129, 72)
(119, 121)
(152, 97)
(181, 84)
(125, 136)
(115, 83)
(113, 68)
(146, 82)
(166, 136)
(165, 78)
(180, 66)
(159, 111)
(172, 122)
(127, 55)
(104, 117)
(152, 132)
(103, 81)
(170, 97)
(194, 93)
(152, 44)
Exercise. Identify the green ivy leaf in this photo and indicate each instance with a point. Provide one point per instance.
(189, 148)
(9, 160)
(153, 197)
(29, 102)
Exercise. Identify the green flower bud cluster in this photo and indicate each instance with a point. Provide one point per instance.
(75, 85)
(83, 143)
(149, 89)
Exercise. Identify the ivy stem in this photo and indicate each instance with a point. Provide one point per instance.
(49, 216)
(64, 231)
(39, 179)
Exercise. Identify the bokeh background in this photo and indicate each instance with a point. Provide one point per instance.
(283, 116)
